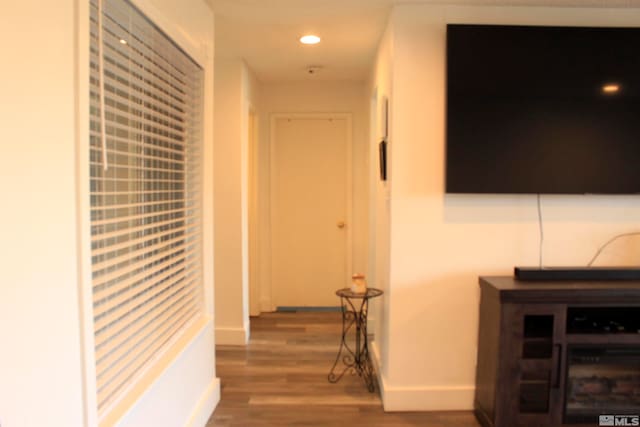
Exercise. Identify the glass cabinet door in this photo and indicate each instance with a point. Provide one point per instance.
(537, 336)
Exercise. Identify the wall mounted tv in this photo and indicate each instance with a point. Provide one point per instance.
(534, 109)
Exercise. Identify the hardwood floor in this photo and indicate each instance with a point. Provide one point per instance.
(280, 379)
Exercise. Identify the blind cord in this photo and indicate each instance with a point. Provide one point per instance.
(613, 239)
(103, 120)
(541, 228)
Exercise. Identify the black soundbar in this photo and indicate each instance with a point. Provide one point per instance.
(577, 273)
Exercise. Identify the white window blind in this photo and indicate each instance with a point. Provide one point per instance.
(145, 193)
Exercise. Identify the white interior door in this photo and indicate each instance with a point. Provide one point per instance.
(310, 210)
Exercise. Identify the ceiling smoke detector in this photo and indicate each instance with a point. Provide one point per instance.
(312, 70)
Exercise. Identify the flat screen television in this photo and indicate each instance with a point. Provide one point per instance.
(533, 109)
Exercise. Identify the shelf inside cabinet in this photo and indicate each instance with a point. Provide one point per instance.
(537, 337)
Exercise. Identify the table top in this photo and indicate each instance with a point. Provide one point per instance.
(348, 293)
(509, 289)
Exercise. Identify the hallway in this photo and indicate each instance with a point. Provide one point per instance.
(280, 379)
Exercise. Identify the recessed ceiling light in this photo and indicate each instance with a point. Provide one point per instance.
(123, 41)
(309, 39)
(611, 88)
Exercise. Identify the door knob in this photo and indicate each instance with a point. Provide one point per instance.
(341, 224)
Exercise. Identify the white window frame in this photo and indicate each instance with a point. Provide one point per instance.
(200, 48)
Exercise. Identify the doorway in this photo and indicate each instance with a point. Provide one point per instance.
(310, 209)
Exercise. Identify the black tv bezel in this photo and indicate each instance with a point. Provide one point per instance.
(559, 189)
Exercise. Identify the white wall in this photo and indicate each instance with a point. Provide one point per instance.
(236, 92)
(40, 363)
(250, 99)
(43, 292)
(317, 97)
(380, 91)
(441, 243)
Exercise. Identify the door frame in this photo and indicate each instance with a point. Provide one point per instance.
(253, 212)
(273, 162)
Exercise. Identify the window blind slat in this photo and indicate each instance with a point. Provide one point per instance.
(148, 335)
(149, 61)
(133, 122)
(116, 348)
(160, 97)
(144, 240)
(141, 205)
(134, 218)
(157, 340)
(144, 157)
(136, 138)
(163, 298)
(141, 62)
(101, 237)
(114, 316)
(102, 265)
(132, 293)
(146, 233)
(143, 268)
(169, 103)
(102, 293)
(146, 96)
(137, 171)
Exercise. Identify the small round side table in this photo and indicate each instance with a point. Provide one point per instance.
(355, 306)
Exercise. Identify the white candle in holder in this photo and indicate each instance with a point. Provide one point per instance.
(358, 283)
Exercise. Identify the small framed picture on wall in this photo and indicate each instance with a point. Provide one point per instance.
(382, 148)
(384, 130)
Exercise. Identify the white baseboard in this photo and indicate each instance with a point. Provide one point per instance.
(420, 398)
(377, 365)
(432, 398)
(206, 405)
(265, 306)
(232, 336)
(371, 321)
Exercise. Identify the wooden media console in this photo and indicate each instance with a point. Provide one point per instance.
(557, 353)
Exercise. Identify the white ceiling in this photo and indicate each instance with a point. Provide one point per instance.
(265, 33)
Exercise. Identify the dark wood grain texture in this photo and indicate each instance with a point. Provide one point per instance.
(603, 292)
(280, 379)
(522, 376)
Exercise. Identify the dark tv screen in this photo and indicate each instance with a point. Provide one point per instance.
(543, 110)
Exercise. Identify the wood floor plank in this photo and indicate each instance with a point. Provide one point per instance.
(280, 379)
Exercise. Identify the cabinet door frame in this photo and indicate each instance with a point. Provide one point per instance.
(514, 364)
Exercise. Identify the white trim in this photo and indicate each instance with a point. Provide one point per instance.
(434, 398)
(273, 117)
(349, 202)
(267, 293)
(154, 372)
(372, 186)
(83, 205)
(377, 366)
(199, 52)
(232, 336)
(265, 303)
(206, 405)
(254, 233)
(422, 398)
(207, 183)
